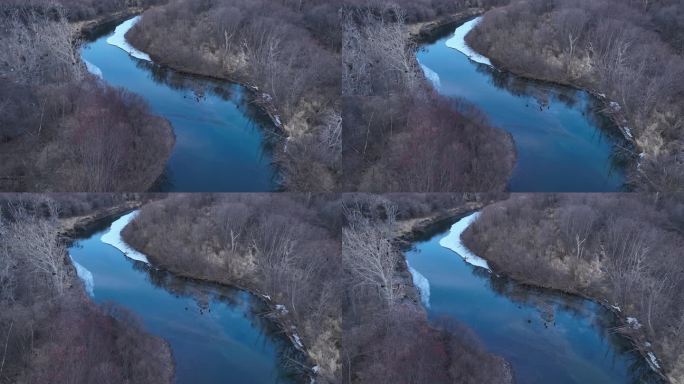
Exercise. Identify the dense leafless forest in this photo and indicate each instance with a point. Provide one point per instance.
(399, 134)
(630, 51)
(61, 129)
(624, 249)
(51, 331)
(353, 114)
(80, 10)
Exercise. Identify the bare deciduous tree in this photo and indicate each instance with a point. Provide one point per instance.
(35, 240)
(368, 252)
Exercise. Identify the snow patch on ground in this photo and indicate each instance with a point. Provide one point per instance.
(422, 283)
(86, 276)
(281, 309)
(431, 75)
(118, 39)
(633, 322)
(92, 68)
(453, 242)
(653, 361)
(298, 341)
(113, 237)
(457, 42)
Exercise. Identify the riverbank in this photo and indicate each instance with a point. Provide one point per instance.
(293, 93)
(635, 92)
(426, 32)
(411, 230)
(54, 330)
(262, 100)
(600, 169)
(276, 313)
(75, 227)
(237, 240)
(423, 229)
(86, 137)
(88, 29)
(546, 264)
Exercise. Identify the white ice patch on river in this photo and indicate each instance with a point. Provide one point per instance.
(453, 241)
(457, 42)
(86, 276)
(431, 75)
(423, 285)
(92, 68)
(118, 39)
(113, 237)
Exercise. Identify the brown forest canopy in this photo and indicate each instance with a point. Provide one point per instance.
(60, 128)
(51, 331)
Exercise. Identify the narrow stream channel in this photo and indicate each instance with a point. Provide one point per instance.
(214, 331)
(563, 143)
(547, 336)
(220, 140)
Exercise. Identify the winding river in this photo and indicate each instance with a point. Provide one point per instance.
(547, 336)
(214, 331)
(563, 142)
(221, 144)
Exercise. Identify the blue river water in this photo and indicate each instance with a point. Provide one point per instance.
(563, 142)
(215, 332)
(221, 145)
(547, 336)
